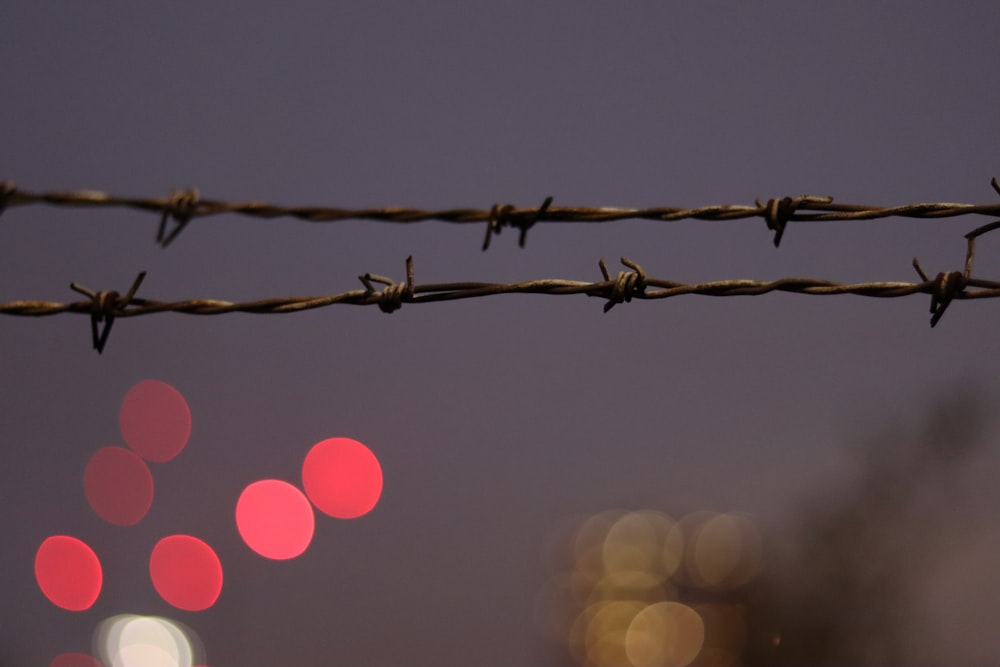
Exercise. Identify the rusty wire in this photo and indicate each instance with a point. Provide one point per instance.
(104, 307)
(183, 206)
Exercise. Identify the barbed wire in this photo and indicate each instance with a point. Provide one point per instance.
(183, 206)
(105, 306)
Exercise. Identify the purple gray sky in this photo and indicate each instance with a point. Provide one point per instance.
(493, 418)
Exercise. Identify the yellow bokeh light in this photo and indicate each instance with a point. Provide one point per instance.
(578, 632)
(683, 546)
(606, 631)
(594, 529)
(726, 551)
(645, 590)
(673, 549)
(590, 538)
(665, 634)
(633, 546)
(717, 550)
(597, 637)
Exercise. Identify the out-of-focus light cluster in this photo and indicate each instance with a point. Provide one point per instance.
(642, 589)
(341, 477)
(131, 640)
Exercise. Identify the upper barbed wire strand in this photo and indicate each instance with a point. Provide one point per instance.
(185, 206)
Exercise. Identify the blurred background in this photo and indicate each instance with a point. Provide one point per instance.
(772, 480)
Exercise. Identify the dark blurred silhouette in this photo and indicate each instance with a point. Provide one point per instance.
(842, 590)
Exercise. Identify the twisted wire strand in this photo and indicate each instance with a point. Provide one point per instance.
(610, 289)
(184, 206)
(105, 306)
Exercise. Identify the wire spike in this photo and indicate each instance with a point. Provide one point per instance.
(104, 307)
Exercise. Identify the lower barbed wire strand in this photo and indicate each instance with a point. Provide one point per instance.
(654, 289)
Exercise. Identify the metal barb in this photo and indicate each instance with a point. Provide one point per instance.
(945, 286)
(604, 269)
(104, 306)
(626, 285)
(181, 206)
(530, 219)
(951, 283)
(778, 212)
(979, 231)
(970, 253)
(497, 219)
(391, 298)
(506, 215)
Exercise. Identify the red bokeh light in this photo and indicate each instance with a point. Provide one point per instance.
(186, 572)
(68, 572)
(118, 486)
(275, 519)
(342, 478)
(155, 420)
(75, 660)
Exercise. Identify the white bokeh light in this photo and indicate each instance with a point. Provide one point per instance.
(131, 640)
